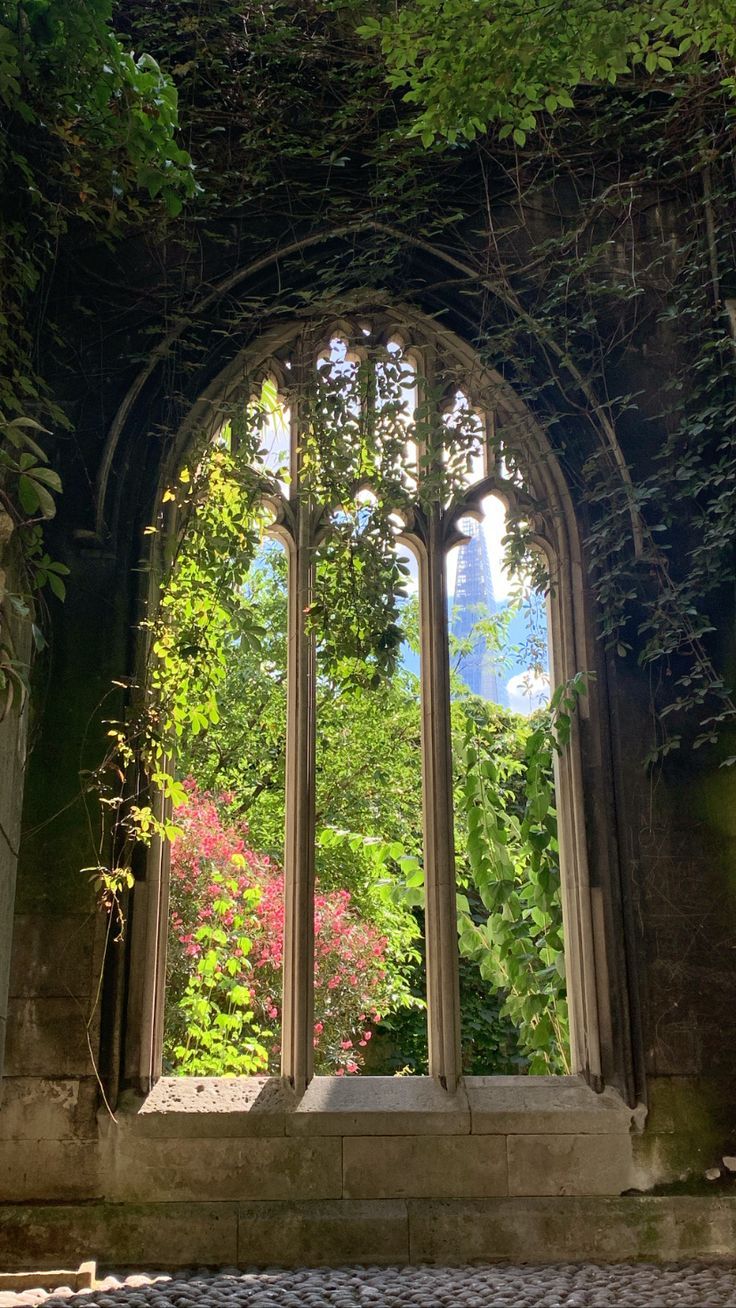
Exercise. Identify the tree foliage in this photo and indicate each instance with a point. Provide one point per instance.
(89, 133)
(226, 956)
(509, 919)
(369, 838)
(469, 64)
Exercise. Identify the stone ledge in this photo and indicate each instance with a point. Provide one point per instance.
(198, 1107)
(572, 1229)
(544, 1105)
(379, 1105)
(82, 1279)
(202, 1107)
(134, 1235)
(606, 1230)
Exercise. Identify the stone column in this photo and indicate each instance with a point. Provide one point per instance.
(443, 987)
(13, 732)
(297, 1053)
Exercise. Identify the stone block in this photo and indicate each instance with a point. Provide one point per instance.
(596, 1229)
(490, 1230)
(540, 1105)
(569, 1164)
(379, 1105)
(46, 1037)
(221, 1169)
(83, 1278)
(48, 1170)
(126, 1235)
(52, 956)
(197, 1107)
(388, 1167)
(666, 1159)
(323, 1234)
(35, 1108)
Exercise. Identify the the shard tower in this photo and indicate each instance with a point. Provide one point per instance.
(474, 600)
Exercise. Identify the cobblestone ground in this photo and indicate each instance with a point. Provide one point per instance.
(625, 1285)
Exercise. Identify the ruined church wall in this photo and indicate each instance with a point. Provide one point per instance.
(676, 900)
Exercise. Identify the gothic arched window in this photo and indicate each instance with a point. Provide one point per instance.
(381, 435)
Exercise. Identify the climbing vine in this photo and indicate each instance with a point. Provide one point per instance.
(637, 191)
(582, 234)
(88, 141)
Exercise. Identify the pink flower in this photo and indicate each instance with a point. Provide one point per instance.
(246, 899)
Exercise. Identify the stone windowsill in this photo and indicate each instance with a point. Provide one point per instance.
(358, 1106)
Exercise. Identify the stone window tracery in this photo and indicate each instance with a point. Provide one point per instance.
(405, 423)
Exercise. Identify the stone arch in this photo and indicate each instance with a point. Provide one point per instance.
(602, 1040)
(603, 428)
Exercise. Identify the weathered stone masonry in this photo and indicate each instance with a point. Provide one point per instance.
(379, 1171)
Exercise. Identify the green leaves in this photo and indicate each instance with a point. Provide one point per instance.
(28, 487)
(35, 484)
(103, 126)
(50, 573)
(215, 1011)
(469, 66)
(509, 859)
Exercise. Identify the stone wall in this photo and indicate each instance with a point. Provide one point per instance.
(13, 740)
(486, 1174)
(381, 1170)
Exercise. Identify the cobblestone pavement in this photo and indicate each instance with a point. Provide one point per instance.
(570, 1285)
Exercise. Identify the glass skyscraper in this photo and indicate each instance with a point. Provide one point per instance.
(473, 600)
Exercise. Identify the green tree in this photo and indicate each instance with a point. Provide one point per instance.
(467, 64)
(216, 685)
(369, 837)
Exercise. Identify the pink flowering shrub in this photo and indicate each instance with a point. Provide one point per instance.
(226, 940)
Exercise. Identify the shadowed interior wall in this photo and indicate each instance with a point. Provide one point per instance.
(667, 900)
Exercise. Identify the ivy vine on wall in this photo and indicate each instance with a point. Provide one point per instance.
(569, 186)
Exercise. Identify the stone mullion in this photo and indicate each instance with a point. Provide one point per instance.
(443, 987)
(297, 1053)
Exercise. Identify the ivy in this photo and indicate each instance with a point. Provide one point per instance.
(89, 131)
(615, 124)
(28, 490)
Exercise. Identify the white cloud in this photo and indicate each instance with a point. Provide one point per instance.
(527, 691)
